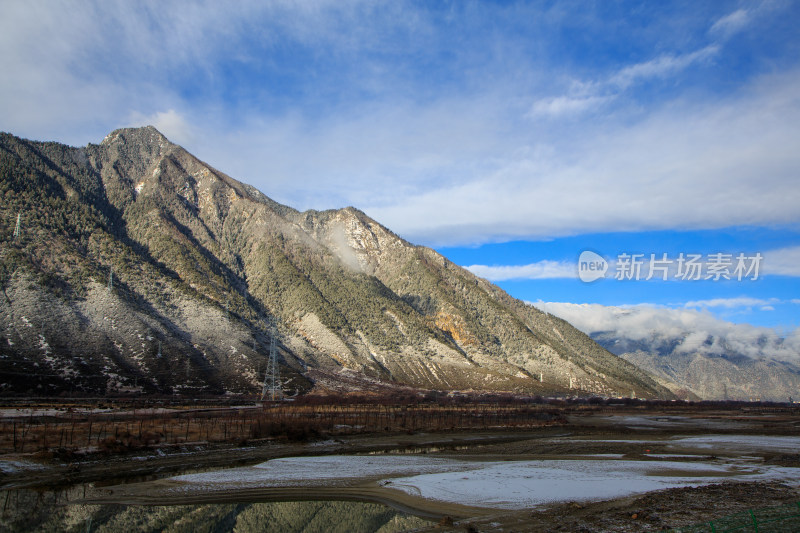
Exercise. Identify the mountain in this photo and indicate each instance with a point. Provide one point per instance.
(721, 376)
(140, 268)
(694, 354)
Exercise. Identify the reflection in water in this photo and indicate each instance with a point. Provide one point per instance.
(29, 510)
(418, 450)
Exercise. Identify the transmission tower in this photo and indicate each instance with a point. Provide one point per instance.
(272, 378)
(110, 278)
(17, 229)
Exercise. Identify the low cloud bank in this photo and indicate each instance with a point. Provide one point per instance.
(678, 330)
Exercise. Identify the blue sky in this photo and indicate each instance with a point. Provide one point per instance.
(504, 134)
(769, 300)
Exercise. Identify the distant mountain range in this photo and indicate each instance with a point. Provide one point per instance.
(137, 267)
(694, 354)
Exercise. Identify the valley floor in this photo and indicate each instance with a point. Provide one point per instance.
(601, 471)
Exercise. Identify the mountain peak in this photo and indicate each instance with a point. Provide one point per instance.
(139, 135)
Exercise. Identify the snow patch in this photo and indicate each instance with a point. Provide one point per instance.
(15, 467)
(495, 484)
(739, 443)
(323, 470)
(524, 484)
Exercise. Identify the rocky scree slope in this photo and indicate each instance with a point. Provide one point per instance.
(139, 268)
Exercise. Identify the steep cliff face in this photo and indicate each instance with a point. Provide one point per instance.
(139, 267)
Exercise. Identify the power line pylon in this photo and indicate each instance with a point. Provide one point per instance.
(17, 228)
(272, 378)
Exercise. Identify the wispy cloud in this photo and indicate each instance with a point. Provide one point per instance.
(431, 119)
(559, 106)
(729, 303)
(539, 270)
(731, 23)
(661, 66)
(112, 61)
(584, 97)
(745, 19)
(684, 166)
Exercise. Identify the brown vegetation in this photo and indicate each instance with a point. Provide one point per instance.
(125, 425)
(69, 431)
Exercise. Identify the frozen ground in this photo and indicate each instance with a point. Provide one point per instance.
(739, 443)
(324, 471)
(524, 484)
(661, 422)
(496, 484)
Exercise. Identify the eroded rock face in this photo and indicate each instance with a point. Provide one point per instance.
(142, 268)
(455, 327)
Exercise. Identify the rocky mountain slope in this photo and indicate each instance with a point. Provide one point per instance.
(140, 268)
(693, 353)
(720, 375)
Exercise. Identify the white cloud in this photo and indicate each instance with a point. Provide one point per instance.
(684, 166)
(591, 96)
(661, 66)
(541, 270)
(74, 70)
(731, 23)
(438, 163)
(686, 330)
(376, 153)
(743, 19)
(783, 261)
(566, 105)
(634, 322)
(730, 303)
